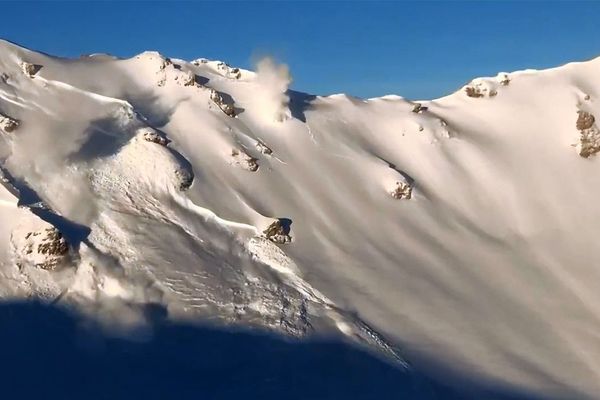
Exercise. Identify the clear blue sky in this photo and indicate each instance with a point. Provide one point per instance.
(414, 49)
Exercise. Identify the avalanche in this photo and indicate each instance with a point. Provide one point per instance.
(460, 229)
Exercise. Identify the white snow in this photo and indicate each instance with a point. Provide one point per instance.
(490, 266)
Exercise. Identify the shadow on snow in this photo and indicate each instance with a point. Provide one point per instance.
(50, 352)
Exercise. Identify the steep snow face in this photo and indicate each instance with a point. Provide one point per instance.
(461, 229)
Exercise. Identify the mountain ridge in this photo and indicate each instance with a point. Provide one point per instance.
(433, 227)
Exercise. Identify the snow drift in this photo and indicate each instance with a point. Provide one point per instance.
(461, 230)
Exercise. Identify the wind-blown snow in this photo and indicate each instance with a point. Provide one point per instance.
(274, 80)
(461, 229)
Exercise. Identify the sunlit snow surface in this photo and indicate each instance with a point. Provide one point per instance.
(458, 236)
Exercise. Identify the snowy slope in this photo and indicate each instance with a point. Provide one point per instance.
(461, 230)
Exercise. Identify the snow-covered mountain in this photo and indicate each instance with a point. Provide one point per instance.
(458, 233)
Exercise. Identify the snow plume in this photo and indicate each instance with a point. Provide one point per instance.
(39, 158)
(274, 80)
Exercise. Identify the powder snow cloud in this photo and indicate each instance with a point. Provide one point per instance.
(274, 80)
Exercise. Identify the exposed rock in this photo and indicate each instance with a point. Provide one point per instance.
(189, 79)
(473, 92)
(162, 73)
(241, 158)
(185, 78)
(419, 108)
(589, 135)
(8, 124)
(503, 79)
(228, 71)
(216, 97)
(481, 87)
(165, 63)
(199, 61)
(228, 110)
(4, 77)
(218, 100)
(263, 148)
(278, 232)
(30, 69)
(235, 73)
(402, 190)
(151, 135)
(185, 179)
(46, 249)
(589, 143)
(585, 120)
(486, 87)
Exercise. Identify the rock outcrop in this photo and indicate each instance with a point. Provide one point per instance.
(224, 106)
(402, 191)
(185, 179)
(46, 249)
(486, 87)
(151, 135)
(278, 232)
(185, 78)
(585, 120)
(589, 135)
(228, 71)
(263, 148)
(419, 108)
(8, 124)
(30, 69)
(189, 79)
(243, 160)
(503, 78)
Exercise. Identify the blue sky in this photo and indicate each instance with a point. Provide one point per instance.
(414, 49)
